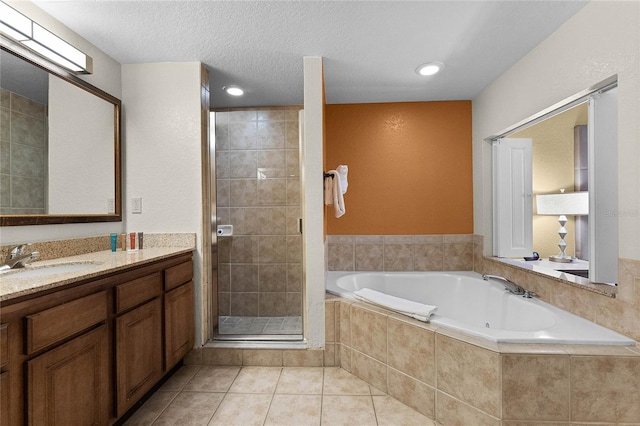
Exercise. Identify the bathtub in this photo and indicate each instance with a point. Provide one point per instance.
(471, 305)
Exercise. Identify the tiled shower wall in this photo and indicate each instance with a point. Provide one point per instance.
(258, 192)
(23, 154)
(403, 252)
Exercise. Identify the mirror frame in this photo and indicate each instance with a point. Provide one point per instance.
(45, 219)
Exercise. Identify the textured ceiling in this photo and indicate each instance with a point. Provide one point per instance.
(370, 49)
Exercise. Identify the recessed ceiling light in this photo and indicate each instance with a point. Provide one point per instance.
(430, 68)
(233, 90)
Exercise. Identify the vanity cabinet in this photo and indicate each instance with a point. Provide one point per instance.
(87, 352)
(178, 313)
(138, 331)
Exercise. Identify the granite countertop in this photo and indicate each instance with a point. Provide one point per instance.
(98, 263)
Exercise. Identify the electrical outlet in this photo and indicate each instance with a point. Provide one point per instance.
(136, 205)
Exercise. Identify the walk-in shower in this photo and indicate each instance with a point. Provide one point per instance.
(257, 191)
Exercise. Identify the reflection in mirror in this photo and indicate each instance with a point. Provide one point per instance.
(60, 154)
(570, 147)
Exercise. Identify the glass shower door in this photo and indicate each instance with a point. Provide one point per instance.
(258, 193)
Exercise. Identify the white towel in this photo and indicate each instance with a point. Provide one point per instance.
(335, 186)
(410, 308)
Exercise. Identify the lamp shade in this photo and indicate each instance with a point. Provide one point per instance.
(571, 204)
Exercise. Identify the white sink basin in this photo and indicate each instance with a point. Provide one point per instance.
(44, 270)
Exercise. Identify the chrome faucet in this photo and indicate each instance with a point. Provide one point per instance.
(18, 257)
(509, 285)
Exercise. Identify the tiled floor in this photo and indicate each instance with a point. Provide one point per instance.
(260, 325)
(295, 396)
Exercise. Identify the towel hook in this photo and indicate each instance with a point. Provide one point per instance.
(328, 175)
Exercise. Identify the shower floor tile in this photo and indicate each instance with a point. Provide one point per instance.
(260, 325)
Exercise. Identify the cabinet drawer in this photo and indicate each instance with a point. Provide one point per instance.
(178, 275)
(4, 345)
(53, 325)
(138, 291)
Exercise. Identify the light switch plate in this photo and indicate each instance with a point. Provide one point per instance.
(136, 205)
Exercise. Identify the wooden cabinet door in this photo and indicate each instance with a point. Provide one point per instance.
(4, 399)
(70, 384)
(178, 323)
(138, 353)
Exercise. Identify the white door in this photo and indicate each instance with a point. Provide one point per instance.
(603, 184)
(512, 197)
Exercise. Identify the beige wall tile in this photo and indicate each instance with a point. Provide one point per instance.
(329, 322)
(219, 356)
(194, 357)
(368, 369)
(273, 249)
(262, 357)
(469, 373)
(292, 139)
(294, 248)
(272, 304)
(341, 256)
(605, 389)
(244, 278)
(345, 357)
(369, 256)
(243, 192)
(369, 333)
(536, 387)
(458, 256)
(303, 358)
(537, 423)
(330, 355)
(345, 323)
(273, 277)
(411, 392)
(452, 412)
(428, 256)
(412, 350)
(398, 253)
(244, 304)
(271, 163)
(270, 133)
(272, 192)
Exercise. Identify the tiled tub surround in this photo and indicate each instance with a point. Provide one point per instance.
(457, 379)
(258, 192)
(401, 252)
(23, 154)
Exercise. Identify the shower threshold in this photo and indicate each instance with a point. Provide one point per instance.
(237, 328)
(258, 337)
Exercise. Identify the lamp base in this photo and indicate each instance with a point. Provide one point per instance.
(561, 259)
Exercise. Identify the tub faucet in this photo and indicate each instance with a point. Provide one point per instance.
(509, 285)
(18, 257)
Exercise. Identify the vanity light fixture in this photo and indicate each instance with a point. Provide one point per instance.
(430, 68)
(233, 90)
(43, 42)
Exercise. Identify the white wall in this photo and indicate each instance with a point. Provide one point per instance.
(161, 117)
(106, 76)
(312, 202)
(600, 40)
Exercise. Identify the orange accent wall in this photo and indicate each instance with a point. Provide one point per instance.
(410, 167)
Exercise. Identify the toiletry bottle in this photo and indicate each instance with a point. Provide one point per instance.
(114, 242)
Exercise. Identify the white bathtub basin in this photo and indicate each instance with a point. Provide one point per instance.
(480, 308)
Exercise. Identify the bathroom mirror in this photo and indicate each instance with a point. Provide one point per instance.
(571, 145)
(60, 145)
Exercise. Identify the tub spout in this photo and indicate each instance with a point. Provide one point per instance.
(509, 285)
